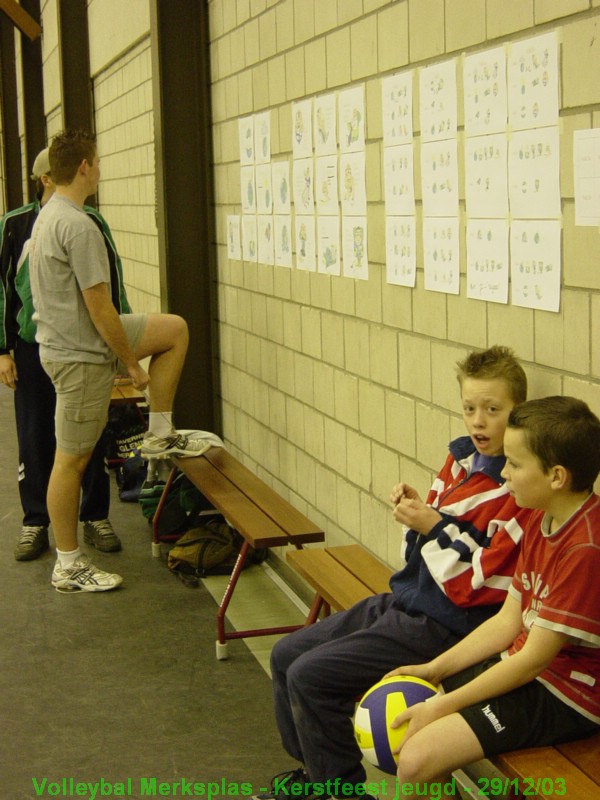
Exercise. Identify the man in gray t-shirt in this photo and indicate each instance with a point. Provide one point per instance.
(82, 339)
(65, 329)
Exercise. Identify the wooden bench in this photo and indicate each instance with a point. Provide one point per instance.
(341, 576)
(124, 392)
(254, 509)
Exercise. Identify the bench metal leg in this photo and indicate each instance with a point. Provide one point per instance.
(318, 605)
(221, 650)
(224, 636)
(315, 610)
(158, 512)
(222, 610)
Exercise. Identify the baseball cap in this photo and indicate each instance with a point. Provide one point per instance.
(41, 165)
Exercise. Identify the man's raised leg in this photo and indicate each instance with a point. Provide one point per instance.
(165, 340)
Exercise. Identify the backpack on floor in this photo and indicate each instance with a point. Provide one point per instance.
(211, 548)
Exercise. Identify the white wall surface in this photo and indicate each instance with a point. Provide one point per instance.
(114, 26)
(51, 59)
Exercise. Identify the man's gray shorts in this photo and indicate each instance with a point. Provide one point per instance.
(83, 392)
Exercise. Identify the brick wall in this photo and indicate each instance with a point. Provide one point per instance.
(126, 195)
(334, 389)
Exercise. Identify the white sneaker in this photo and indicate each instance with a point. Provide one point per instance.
(175, 444)
(83, 576)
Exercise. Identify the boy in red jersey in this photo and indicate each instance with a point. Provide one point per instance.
(530, 675)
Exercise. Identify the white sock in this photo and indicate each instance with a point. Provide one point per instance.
(160, 423)
(66, 558)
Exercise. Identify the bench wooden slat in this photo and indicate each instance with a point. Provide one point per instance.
(329, 578)
(117, 395)
(130, 393)
(586, 754)
(125, 393)
(364, 566)
(266, 498)
(257, 528)
(562, 777)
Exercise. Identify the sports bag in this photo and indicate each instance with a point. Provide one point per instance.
(131, 475)
(125, 431)
(182, 507)
(209, 549)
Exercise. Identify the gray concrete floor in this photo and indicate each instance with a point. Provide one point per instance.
(121, 687)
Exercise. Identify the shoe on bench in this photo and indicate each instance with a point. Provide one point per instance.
(174, 444)
(83, 576)
(100, 533)
(33, 541)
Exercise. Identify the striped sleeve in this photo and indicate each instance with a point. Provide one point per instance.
(474, 565)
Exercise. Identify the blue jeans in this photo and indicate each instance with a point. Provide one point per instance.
(319, 671)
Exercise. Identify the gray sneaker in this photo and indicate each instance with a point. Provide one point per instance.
(33, 541)
(83, 576)
(100, 533)
(175, 444)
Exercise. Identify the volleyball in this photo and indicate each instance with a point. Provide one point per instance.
(377, 710)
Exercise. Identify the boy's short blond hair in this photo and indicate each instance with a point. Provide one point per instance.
(495, 362)
(561, 431)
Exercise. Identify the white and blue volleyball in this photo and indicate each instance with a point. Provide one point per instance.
(377, 710)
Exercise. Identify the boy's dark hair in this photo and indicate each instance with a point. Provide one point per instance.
(67, 151)
(562, 431)
(495, 362)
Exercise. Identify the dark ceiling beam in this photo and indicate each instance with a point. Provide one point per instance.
(75, 64)
(13, 171)
(74, 47)
(21, 18)
(33, 93)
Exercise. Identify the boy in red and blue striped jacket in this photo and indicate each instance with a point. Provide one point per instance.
(461, 551)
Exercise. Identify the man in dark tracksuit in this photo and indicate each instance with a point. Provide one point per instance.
(34, 393)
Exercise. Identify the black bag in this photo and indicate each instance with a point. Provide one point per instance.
(182, 505)
(125, 431)
(131, 475)
(209, 549)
